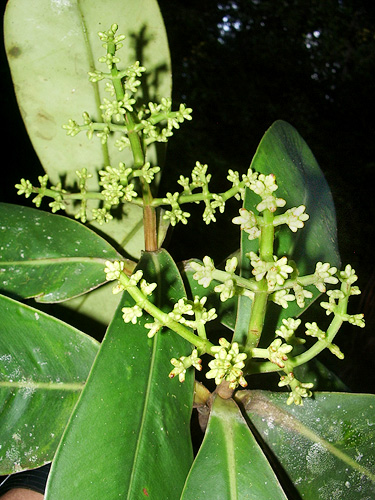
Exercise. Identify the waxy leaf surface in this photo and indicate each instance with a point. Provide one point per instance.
(44, 364)
(51, 46)
(130, 432)
(326, 446)
(230, 465)
(49, 257)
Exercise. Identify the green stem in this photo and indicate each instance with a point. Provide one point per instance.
(258, 312)
(259, 305)
(139, 157)
(267, 237)
(203, 345)
(268, 367)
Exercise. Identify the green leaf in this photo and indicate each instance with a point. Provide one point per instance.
(44, 364)
(230, 465)
(327, 446)
(49, 257)
(130, 429)
(49, 60)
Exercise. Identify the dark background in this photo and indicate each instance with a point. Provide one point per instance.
(241, 65)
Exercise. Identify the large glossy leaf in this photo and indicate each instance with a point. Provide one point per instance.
(43, 367)
(49, 60)
(49, 257)
(327, 446)
(230, 465)
(129, 434)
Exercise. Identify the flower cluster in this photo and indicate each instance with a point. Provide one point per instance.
(185, 307)
(228, 364)
(277, 352)
(229, 288)
(275, 272)
(176, 214)
(249, 223)
(183, 363)
(287, 331)
(294, 218)
(299, 390)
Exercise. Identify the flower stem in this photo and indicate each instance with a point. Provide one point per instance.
(259, 305)
(202, 344)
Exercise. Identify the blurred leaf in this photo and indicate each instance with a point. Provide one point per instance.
(327, 446)
(230, 464)
(322, 377)
(49, 60)
(50, 257)
(44, 364)
(130, 429)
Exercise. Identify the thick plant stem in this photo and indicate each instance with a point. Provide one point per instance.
(258, 312)
(149, 227)
(138, 151)
(267, 237)
(149, 213)
(259, 306)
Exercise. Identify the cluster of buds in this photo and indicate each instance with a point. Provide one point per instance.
(183, 363)
(228, 364)
(299, 390)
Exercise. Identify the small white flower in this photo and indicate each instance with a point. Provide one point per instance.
(287, 329)
(153, 327)
(348, 275)
(147, 288)
(324, 274)
(282, 298)
(277, 352)
(248, 222)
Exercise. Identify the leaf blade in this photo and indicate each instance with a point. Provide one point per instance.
(49, 257)
(326, 447)
(44, 364)
(230, 465)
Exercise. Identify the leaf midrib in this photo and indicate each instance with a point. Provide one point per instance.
(147, 398)
(45, 386)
